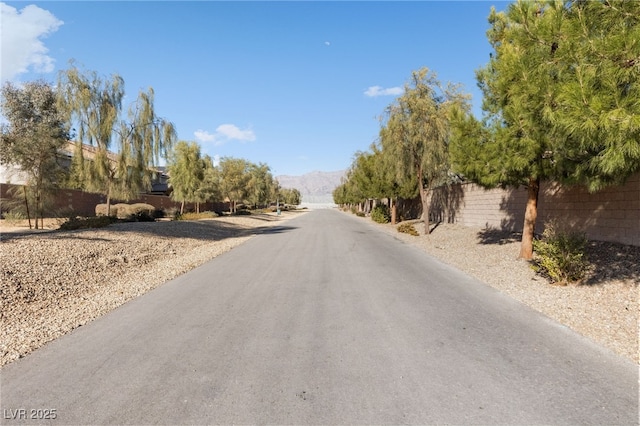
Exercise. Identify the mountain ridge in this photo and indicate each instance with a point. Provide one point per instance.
(316, 186)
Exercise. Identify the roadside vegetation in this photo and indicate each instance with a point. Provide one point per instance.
(560, 103)
(78, 134)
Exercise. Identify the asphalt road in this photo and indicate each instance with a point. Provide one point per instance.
(324, 320)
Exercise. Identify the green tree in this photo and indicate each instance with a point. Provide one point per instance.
(94, 105)
(32, 138)
(209, 189)
(290, 196)
(397, 180)
(560, 100)
(144, 139)
(186, 173)
(261, 184)
(234, 180)
(417, 131)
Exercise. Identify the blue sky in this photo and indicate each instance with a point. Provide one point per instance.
(296, 85)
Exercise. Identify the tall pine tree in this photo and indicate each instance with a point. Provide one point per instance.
(560, 100)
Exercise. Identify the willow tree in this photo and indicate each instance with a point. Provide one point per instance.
(261, 185)
(560, 100)
(94, 105)
(234, 180)
(396, 180)
(209, 189)
(32, 138)
(186, 171)
(417, 131)
(291, 196)
(144, 140)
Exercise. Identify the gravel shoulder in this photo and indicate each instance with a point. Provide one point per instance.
(54, 282)
(604, 307)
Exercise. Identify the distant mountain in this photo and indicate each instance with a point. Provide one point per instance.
(315, 187)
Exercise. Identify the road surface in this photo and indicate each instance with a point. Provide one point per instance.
(323, 320)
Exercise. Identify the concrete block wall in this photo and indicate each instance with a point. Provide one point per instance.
(612, 214)
(84, 203)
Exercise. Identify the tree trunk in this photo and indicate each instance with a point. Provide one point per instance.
(182, 207)
(108, 204)
(38, 208)
(26, 204)
(530, 216)
(394, 211)
(425, 209)
(425, 203)
(198, 207)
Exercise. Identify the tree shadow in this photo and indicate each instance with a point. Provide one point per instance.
(446, 202)
(612, 261)
(215, 229)
(498, 236)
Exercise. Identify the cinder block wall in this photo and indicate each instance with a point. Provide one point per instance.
(612, 214)
(84, 203)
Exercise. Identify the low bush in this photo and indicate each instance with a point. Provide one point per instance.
(360, 214)
(560, 255)
(381, 214)
(14, 216)
(196, 216)
(408, 228)
(87, 222)
(138, 212)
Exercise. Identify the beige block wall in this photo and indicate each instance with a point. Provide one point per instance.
(612, 214)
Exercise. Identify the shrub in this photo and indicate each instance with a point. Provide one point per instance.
(560, 255)
(360, 214)
(139, 212)
(88, 222)
(172, 212)
(14, 216)
(381, 214)
(408, 228)
(196, 216)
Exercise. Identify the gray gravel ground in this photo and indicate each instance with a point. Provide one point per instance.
(604, 307)
(53, 282)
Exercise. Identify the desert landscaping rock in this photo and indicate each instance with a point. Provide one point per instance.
(53, 282)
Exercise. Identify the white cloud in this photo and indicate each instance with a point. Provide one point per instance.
(21, 46)
(327, 43)
(375, 91)
(204, 136)
(225, 133)
(231, 132)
